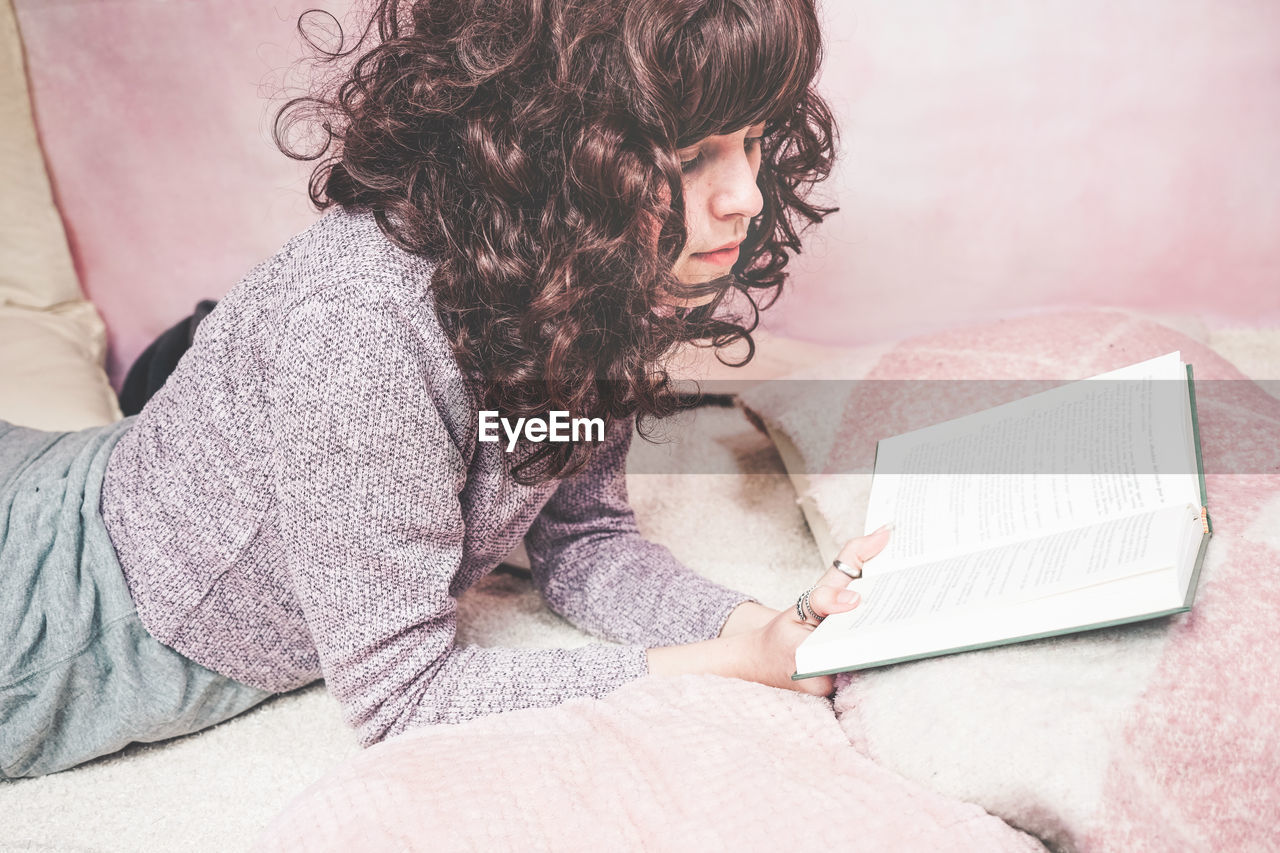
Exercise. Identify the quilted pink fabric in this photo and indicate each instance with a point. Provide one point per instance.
(688, 763)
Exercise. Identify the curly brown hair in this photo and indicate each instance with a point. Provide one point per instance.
(530, 148)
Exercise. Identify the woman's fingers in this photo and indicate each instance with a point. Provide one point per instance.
(855, 552)
(862, 548)
(825, 600)
(831, 593)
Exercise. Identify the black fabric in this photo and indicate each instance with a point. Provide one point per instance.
(157, 361)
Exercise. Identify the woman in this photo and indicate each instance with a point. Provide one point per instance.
(529, 204)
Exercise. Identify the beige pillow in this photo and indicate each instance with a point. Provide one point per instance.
(52, 341)
(51, 374)
(35, 266)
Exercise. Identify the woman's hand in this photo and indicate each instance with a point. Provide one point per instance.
(759, 645)
(774, 658)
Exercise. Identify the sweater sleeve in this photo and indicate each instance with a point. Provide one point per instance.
(368, 480)
(594, 567)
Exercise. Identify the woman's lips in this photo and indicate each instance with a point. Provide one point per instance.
(720, 257)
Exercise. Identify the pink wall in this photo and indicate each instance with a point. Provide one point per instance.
(155, 119)
(998, 157)
(1004, 156)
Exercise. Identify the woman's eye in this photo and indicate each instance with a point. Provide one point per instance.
(692, 163)
(751, 144)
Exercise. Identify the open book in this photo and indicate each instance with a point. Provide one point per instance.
(1079, 507)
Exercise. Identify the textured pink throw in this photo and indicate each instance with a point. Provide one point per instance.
(688, 763)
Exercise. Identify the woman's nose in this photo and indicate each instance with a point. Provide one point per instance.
(735, 192)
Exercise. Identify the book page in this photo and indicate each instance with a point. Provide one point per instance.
(1127, 599)
(1037, 568)
(1074, 455)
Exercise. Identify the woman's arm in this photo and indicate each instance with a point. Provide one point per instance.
(747, 616)
(759, 643)
(595, 569)
(731, 654)
(765, 654)
(593, 566)
(368, 481)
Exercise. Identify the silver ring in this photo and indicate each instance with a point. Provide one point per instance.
(800, 607)
(854, 572)
(808, 604)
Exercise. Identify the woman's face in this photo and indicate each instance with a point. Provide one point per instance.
(721, 198)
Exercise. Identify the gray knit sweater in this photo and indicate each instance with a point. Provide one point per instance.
(306, 497)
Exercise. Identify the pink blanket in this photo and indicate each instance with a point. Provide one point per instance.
(694, 762)
(1159, 736)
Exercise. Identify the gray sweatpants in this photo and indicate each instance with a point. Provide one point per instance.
(79, 675)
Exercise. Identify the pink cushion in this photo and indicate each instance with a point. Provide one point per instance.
(688, 763)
